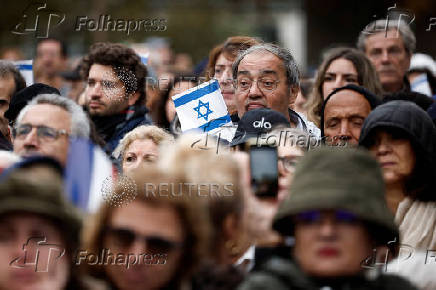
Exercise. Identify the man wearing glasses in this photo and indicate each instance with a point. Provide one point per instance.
(44, 125)
(266, 76)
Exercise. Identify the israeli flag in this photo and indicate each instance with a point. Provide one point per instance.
(144, 57)
(26, 69)
(202, 108)
(87, 170)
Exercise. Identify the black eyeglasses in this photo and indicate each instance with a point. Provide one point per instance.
(124, 238)
(43, 132)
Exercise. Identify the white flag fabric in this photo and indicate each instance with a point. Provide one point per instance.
(26, 69)
(202, 108)
(85, 177)
(144, 57)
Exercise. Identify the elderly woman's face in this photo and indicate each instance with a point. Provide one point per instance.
(330, 243)
(395, 155)
(139, 152)
(27, 230)
(340, 72)
(153, 236)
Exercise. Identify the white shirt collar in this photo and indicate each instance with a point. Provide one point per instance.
(247, 256)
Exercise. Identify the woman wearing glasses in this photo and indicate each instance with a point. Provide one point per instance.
(291, 144)
(153, 242)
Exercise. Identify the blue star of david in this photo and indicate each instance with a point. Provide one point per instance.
(200, 114)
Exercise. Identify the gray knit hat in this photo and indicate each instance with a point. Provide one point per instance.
(339, 178)
(19, 193)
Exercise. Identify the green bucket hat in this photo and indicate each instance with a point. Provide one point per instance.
(19, 193)
(339, 178)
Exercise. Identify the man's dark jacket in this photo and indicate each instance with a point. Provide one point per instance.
(113, 128)
(282, 274)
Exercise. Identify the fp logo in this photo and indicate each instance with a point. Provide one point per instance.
(38, 19)
(262, 124)
(38, 254)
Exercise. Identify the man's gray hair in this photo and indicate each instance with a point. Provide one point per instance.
(292, 73)
(79, 121)
(383, 25)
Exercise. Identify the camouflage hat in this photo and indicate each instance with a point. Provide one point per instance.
(44, 197)
(339, 178)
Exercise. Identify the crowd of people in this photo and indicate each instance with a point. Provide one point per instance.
(351, 187)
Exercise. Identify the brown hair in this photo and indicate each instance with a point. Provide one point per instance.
(366, 77)
(230, 49)
(192, 215)
(192, 164)
(120, 58)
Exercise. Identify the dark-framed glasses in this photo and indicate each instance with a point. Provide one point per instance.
(124, 238)
(43, 132)
(264, 84)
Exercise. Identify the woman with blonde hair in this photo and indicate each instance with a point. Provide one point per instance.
(218, 174)
(141, 145)
(341, 66)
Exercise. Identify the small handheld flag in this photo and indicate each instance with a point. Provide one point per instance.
(86, 171)
(26, 69)
(202, 108)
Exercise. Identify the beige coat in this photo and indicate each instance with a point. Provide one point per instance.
(417, 223)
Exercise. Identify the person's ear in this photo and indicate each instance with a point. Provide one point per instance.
(293, 92)
(230, 227)
(133, 98)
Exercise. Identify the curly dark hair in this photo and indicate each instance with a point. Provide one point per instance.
(121, 58)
